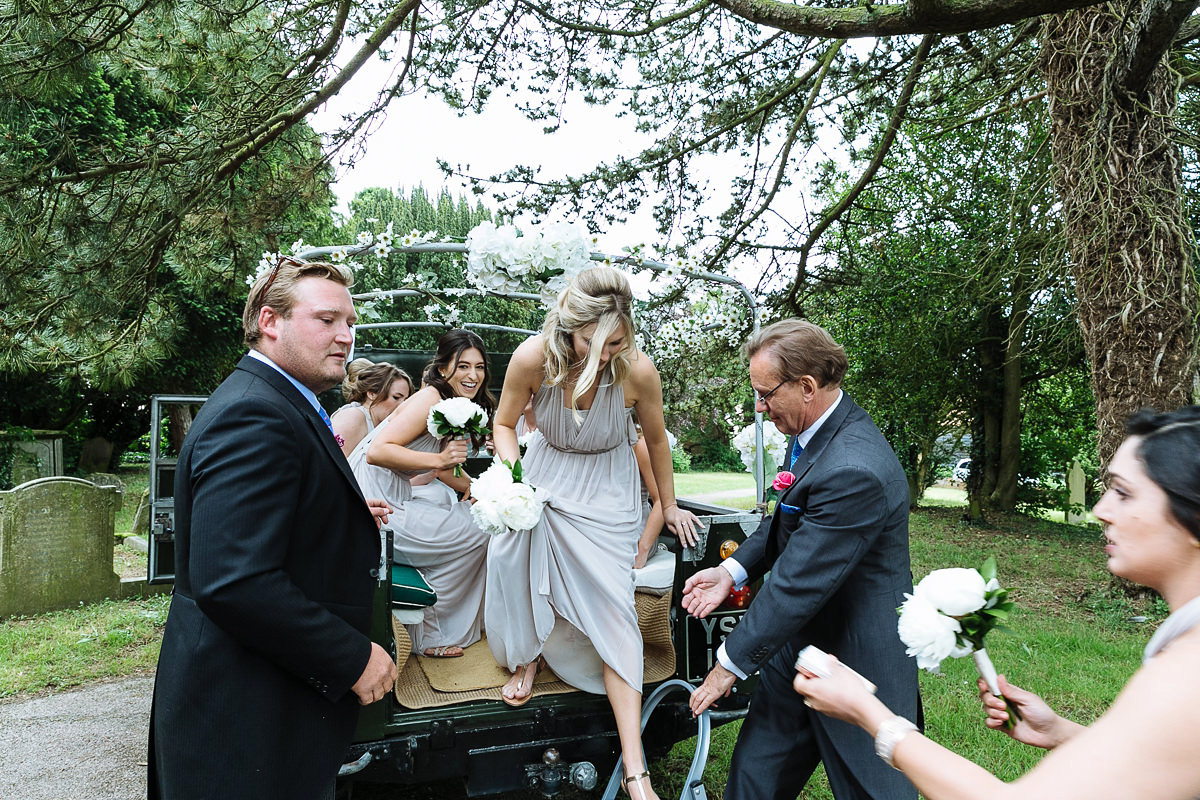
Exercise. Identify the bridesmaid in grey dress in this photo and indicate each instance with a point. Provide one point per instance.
(1145, 745)
(435, 535)
(564, 590)
(372, 391)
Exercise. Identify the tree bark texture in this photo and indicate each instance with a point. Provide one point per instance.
(1118, 170)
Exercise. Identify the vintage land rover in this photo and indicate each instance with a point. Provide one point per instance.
(445, 720)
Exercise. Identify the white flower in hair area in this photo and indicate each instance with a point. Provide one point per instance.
(503, 502)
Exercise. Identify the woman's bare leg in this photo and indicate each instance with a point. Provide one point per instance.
(627, 708)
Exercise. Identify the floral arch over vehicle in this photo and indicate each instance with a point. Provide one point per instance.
(535, 265)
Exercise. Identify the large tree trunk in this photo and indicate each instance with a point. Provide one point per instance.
(1118, 170)
(1004, 494)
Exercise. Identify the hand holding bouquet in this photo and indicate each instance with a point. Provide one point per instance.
(949, 613)
(502, 501)
(457, 417)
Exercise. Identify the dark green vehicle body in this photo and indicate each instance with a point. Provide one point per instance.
(486, 744)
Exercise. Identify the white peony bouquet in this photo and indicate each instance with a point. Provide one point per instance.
(948, 615)
(455, 417)
(502, 501)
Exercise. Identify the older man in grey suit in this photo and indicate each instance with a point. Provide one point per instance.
(836, 548)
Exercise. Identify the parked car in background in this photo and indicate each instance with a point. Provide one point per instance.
(962, 470)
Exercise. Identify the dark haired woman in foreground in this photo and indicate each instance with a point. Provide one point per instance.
(1145, 746)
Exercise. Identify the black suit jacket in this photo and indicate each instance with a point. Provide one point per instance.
(267, 629)
(839, 568)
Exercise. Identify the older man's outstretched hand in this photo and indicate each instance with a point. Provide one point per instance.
(706, 590)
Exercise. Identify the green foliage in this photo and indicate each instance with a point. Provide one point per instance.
(1058, 426)
(708, 447)
(680, 460)
(147, 158)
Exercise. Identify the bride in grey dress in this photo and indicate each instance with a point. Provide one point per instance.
(563, 592)
(434, 531)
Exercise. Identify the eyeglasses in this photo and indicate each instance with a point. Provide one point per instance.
(295, 262)
(763, 398)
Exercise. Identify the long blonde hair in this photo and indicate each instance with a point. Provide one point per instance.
(599, 295)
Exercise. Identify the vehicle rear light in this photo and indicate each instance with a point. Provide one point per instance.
(738, 598)
(727, 548)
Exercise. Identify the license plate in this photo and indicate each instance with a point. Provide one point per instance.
(703, 637)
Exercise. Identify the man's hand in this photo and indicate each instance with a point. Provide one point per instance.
(379, 510)
(715, 686)
(706, 590)
(377, 678)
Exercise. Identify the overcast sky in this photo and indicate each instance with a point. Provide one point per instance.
(403, 151)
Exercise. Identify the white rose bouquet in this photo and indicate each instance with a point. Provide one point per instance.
(949, 613)
(502, 501)
(457, 417)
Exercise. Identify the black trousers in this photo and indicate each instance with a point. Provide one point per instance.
(782, 741)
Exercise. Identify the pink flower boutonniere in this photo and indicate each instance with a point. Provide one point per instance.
(340, 441)
(783, 480)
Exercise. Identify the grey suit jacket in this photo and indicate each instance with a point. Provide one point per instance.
(837, 551)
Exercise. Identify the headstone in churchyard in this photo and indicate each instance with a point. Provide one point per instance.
(94, 454)
(56, 545)
(1075, 494)
(141, 517)
(39, 457)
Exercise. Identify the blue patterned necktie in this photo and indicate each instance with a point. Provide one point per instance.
(796, 451)
(325, 417)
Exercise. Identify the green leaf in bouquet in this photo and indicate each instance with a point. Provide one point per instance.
(988, 570)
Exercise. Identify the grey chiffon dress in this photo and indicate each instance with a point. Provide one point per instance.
(565, 588)
(433, 531)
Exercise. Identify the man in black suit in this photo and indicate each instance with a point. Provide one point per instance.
(836, 548)
(266, 656)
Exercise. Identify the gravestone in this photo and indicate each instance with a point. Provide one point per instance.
(39, 457)
(141, 517)
(1075, 493)
(56, 545)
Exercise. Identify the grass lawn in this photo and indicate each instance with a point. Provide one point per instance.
(1075, 637)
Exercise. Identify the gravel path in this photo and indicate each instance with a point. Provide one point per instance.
(89, 743)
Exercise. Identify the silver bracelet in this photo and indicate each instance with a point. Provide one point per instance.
(890, 732)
